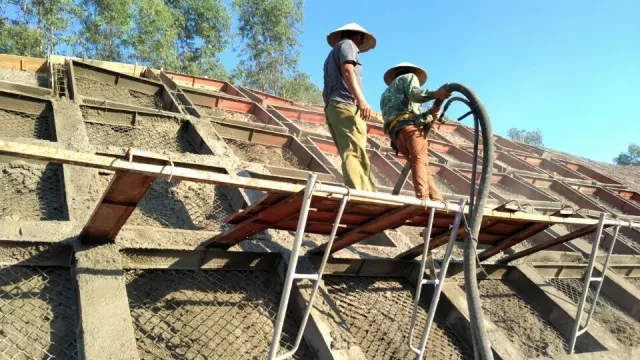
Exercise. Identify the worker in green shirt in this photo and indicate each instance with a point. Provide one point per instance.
(404, 122)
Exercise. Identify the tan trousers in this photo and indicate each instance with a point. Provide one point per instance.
(349, 133)
(411, 143)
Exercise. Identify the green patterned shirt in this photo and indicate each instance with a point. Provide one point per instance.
(402, 96)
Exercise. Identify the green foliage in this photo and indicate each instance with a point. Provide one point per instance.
(269, 29)
(533, 137)
(179, 35)
(631, 157)
(204, 31)
(20, 39)
(300, 88)
(38, 28)
(153, 38)
(106, 28)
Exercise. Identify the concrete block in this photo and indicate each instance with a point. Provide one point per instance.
(106, 330)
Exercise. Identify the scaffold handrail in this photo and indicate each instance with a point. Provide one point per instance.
(291, 274)
(438, 282)
(588, 279)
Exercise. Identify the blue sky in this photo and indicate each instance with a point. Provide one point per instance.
(568, 67)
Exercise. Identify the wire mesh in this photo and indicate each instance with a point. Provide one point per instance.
(37, 313)
(313, 127)
(382, 141)
(625, 328)
(31, 191)
(525, 325)
(102, 90)
(149, 133)
(184, 205)
(25, 77)
(265, 154)
(23, 125)
(208, 314)
(378, 313)
(455, 138)
(222, 114)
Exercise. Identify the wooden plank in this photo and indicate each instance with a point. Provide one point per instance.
(557, 241)
(122, 196)
(377, 225)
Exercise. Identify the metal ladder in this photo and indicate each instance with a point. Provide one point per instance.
(61, 80)
(292, 275)
(185, 109)
(588, 279)
(439, 282)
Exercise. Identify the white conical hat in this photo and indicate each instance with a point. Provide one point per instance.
(418, 71)
(369, 41)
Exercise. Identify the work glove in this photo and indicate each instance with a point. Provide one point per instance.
(442, 93)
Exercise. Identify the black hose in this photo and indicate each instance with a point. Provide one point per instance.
(481, 345)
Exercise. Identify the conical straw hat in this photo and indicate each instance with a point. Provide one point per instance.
(418, 71)
(369, 41)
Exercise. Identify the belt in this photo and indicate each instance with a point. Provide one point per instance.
(398, 118)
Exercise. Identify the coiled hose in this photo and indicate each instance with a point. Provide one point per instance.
(481, 122)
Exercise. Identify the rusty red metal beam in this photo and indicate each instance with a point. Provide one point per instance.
(265, 219)
(125, 191)
(557, 241)
(513, 239)
(440, 240)
(390, 219)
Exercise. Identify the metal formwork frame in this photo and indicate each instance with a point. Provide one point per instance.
(588, 279)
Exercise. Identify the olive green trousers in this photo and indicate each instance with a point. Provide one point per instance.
(349, 133)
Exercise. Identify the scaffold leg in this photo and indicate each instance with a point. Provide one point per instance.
(439, 282)
(588, 279)
(292, 275)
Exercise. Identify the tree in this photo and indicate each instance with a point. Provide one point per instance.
(37, 27)
(269, 29)
(631, 157)
(204, 32)
(533, 137)
(300, 88)
(154, 35)
(105, 29)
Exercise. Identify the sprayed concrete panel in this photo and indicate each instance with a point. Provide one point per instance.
(377, 312)
(26, 117)
(37, 313)
(97, 83)
(119, 128)
(522, 321)
(31, 191)
(35, 79)
(207, 314)
(607, 313)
